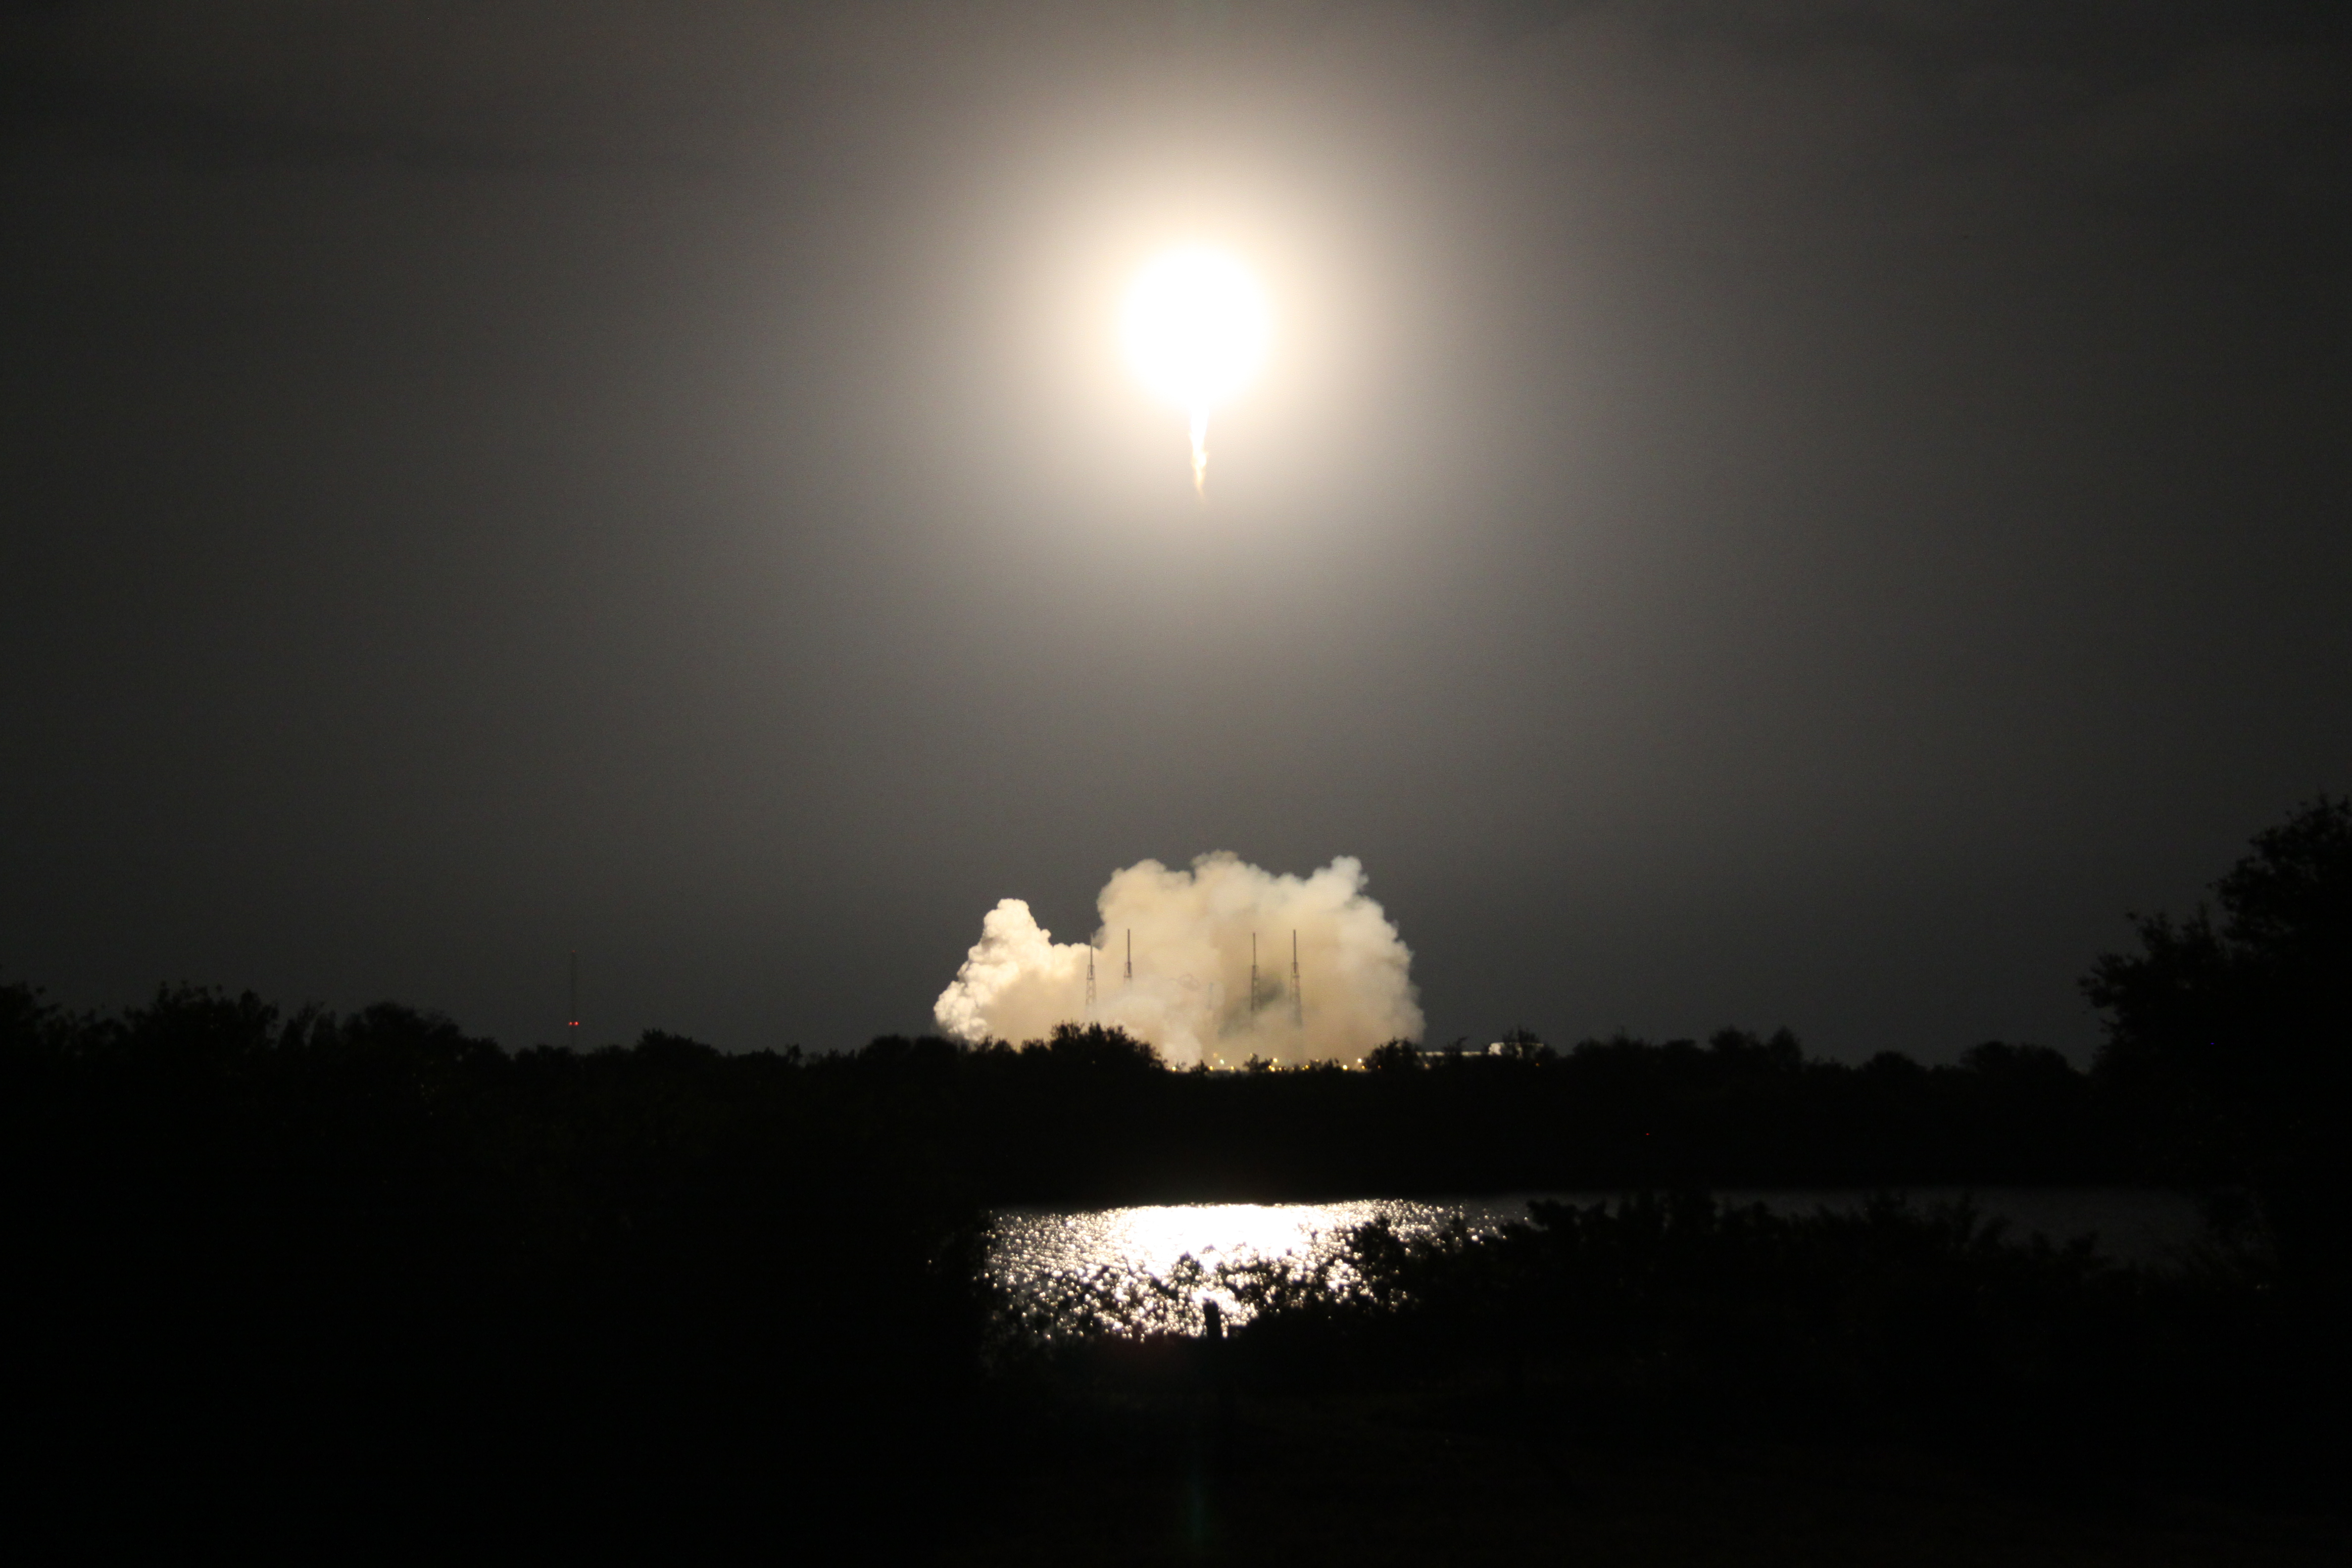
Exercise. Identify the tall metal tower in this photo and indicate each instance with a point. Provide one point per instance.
(1252, 974)
(1090, 979)
(573, 1018)
(1298, 1003)
(1131, 955)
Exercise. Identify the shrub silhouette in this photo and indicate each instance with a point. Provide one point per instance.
(2234, 1038)
(372, 1246)
(1673, 1314)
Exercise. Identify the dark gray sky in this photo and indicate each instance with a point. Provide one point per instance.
(1795, 514)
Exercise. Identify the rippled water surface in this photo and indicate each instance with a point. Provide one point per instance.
(1045, 1254)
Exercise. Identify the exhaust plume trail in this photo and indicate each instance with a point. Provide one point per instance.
(1349, 989)
(1196, 329)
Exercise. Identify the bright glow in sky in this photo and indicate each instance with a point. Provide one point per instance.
(1196, 329)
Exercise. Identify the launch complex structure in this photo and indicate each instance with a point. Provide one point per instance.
(1259, 997)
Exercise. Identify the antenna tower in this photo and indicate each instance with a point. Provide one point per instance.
(1298, 1003)
(1253, 973)
(1090, 981)
(574, 1016)
(1131, 955)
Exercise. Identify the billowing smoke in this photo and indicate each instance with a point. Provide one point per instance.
(1190, 996)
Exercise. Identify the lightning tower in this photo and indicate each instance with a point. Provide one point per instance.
(1252, 974)
(1090, 979)
(1298, 1003)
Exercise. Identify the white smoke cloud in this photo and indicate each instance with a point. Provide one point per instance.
(1190, 994)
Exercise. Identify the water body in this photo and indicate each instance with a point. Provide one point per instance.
(1038, 1253)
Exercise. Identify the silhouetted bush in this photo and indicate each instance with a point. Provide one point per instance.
(1675, 1314)
(334, 1257)
(2231, 1040)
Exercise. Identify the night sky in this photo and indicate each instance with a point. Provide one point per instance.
(1796, 513)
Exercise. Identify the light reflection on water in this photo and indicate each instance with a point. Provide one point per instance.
(1131, 1263)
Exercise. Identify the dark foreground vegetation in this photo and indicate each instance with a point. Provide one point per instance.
(366, 1273)
(353, 1277)
(1672, 1337)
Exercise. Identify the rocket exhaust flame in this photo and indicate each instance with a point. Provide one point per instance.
(1187, 990)
(1196, 329)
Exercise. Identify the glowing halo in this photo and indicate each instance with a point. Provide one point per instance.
(1196, 331)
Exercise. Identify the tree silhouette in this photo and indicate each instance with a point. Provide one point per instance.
(2235, 1032)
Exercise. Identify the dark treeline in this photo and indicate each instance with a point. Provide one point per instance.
(369, 1256)
(386, 1272)
(387, 1258)
(195, 1078)
(1087, 1116)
